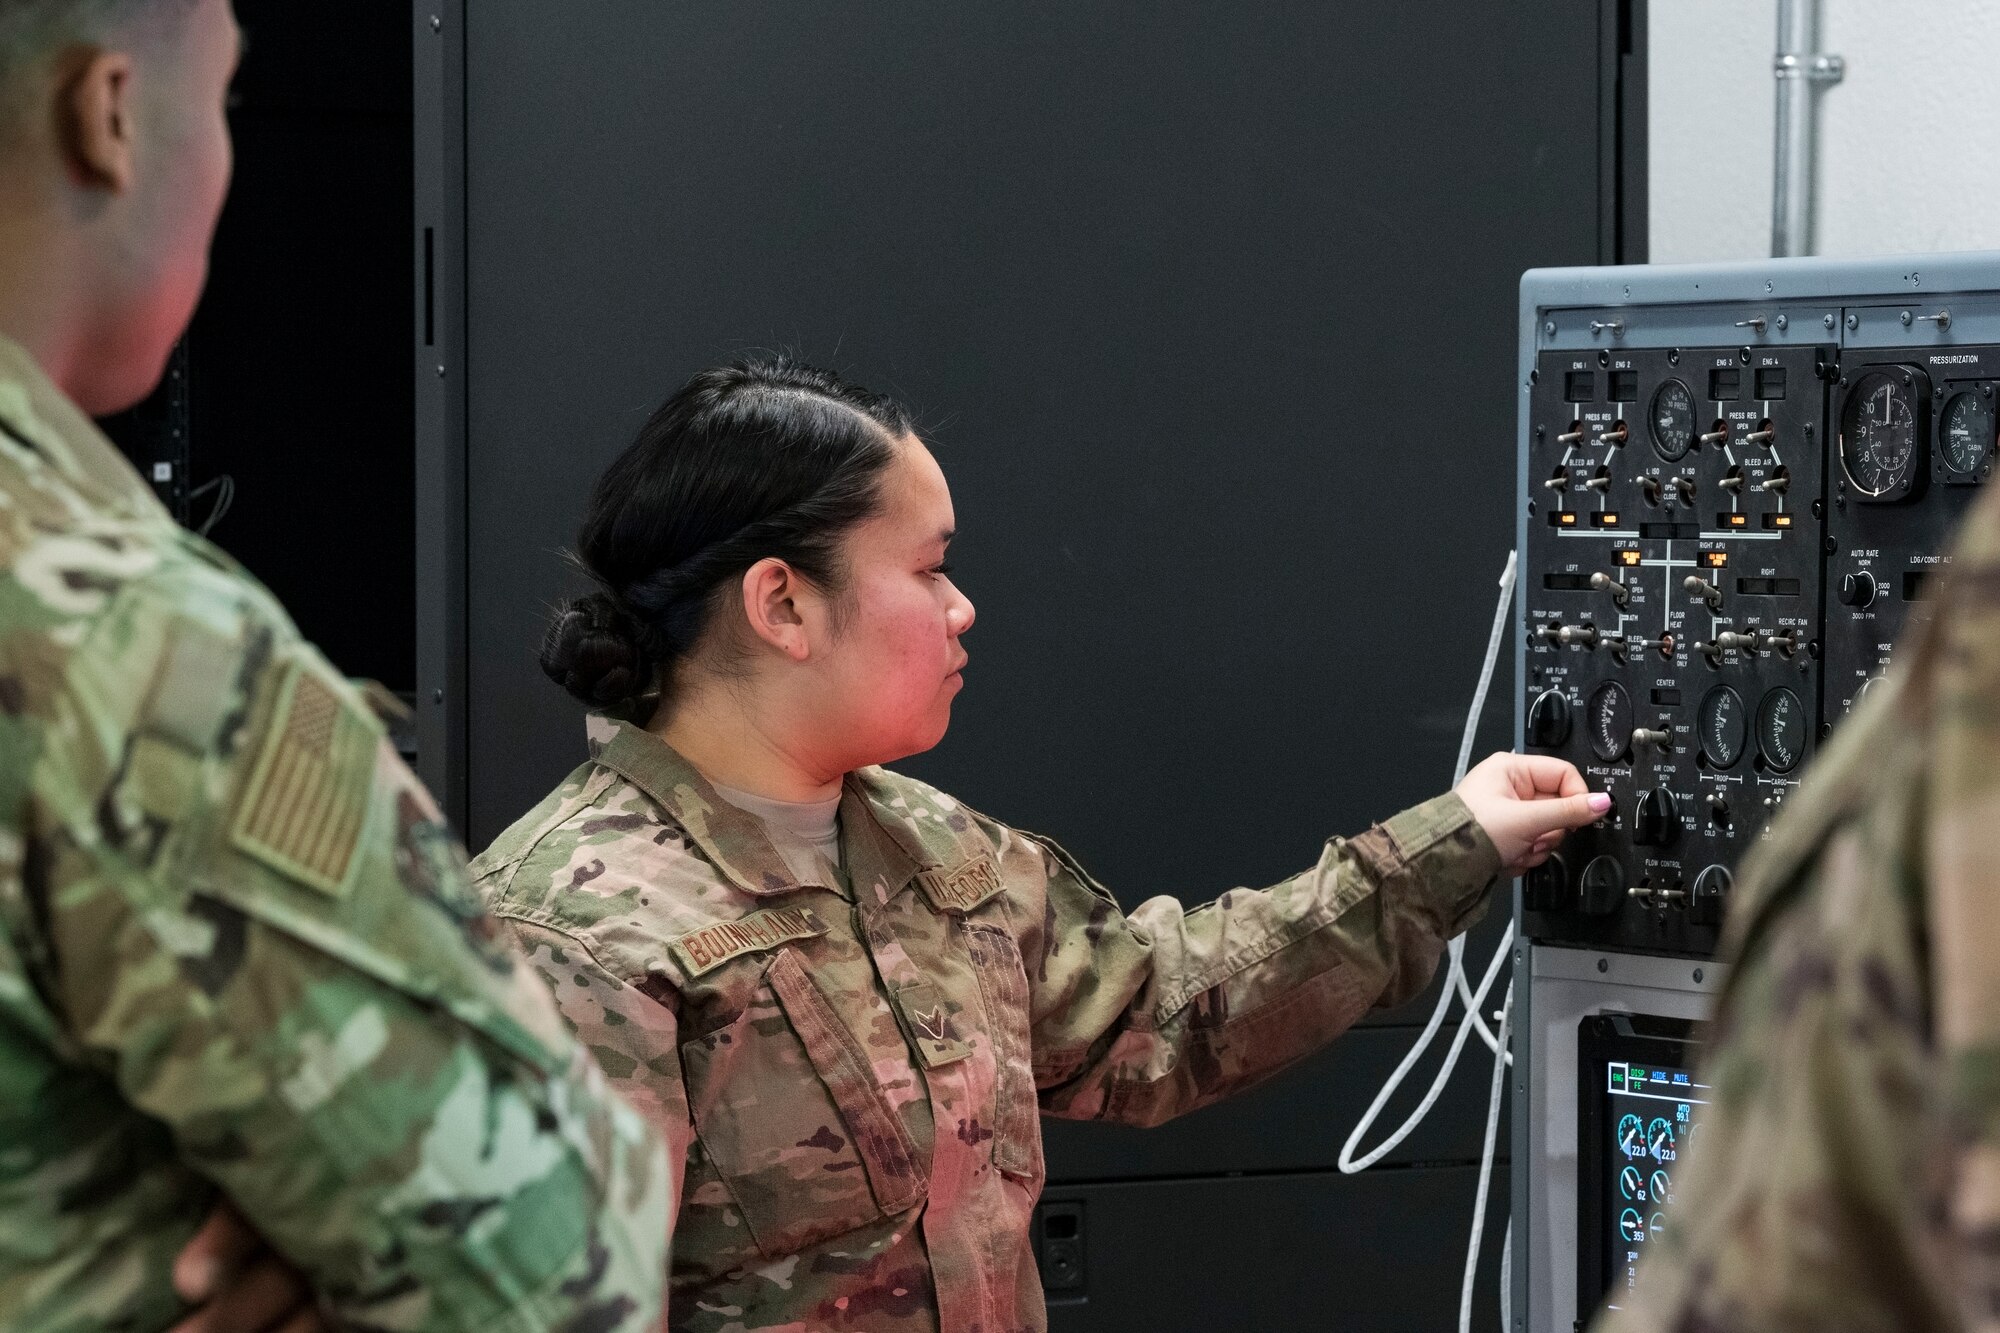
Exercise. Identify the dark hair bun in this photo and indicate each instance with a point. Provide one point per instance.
(597, 652)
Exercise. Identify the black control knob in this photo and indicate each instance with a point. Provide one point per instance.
(1710, 897)
(1603, 887)
(1857, 589)
(1546, 887)
(1548, 720)
(1656, 820)
(1719, 813)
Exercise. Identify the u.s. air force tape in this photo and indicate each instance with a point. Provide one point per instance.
(710, 947)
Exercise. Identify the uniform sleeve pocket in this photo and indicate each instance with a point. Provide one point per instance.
(786, 1106)
(1003, 987)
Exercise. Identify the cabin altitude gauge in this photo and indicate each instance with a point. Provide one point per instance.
(1882, 427)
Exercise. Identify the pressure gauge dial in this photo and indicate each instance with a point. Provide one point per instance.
(1631, 1181)
(1724, 724)
(1632, 1136)
(1882, 427)
(1631, 1226)
(1672, 420)
(1610, 720)
(1966, 435)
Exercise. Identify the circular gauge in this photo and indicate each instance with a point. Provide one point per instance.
(1663, 1189)
(1879, 434)
(1781, 730)
(1672, 420)
(1723, 723)
(1610, 713)
(1966, 436)
(1660, 1139)
(1659, 1224)
(1630, 1181)
(1632, 1136)
(1631, 1226)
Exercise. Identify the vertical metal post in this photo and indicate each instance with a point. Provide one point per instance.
(438, 334)
(1800, 70)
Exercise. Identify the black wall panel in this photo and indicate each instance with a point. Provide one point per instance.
(1208, 311)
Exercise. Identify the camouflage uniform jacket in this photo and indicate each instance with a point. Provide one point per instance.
(852, 1073)
(1847, 1170)
(239, 951)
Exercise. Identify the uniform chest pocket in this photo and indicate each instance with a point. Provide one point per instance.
(1003, 987)
(786, 1106)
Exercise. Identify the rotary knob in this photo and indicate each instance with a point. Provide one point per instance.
(1603, 887)
(1656, 820)
(1710, 896)
(1548, 720)
(1857, 589)
(1546, 887)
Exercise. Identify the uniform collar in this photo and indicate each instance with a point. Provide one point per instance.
(39, 415)
(890, 836)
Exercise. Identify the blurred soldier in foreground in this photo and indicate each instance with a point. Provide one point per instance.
(239, 956)
(1847, 1174)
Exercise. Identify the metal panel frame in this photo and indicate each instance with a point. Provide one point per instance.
(1873, 303)
(437, 29)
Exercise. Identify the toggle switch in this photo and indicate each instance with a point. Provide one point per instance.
(1742, 643)
(1604, 582)
(1777, 483)
(1616, 434)
(1731, 481)
(1578, 636)
(1667, 890)
(1650, 488)
(1573, 435)
(1786, 643)
(1657, 739)
(1705, 590)
(1550, 634)
(1685, 488)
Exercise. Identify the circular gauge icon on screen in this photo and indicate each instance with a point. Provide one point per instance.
(1659, 1224)
(1660, 1140)
(1672, 420)
(1966, 435)
(1663, 1189)
(1882, 423)
(1632, 1226)
(1630, 1181)
(1632, 1136)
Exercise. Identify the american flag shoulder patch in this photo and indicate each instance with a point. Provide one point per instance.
(303, 809)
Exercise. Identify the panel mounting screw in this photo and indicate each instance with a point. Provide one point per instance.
(1905, 317)
(1853, 322)
(437, 24)
(437, 696)
(1697, 974)
(440, 372)
(1827, 320)
(1548, 326)
(1604, 964)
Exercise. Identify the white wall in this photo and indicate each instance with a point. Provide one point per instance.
(1909, 142)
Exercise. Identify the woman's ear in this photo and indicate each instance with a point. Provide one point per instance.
(774, 604)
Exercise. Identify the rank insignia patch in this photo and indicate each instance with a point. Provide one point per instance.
(307, 800)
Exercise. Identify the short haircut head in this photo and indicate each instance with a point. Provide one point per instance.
(33, 31)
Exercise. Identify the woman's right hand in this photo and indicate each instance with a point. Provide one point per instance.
(1526, 803)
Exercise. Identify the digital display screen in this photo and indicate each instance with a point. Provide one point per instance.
(1651, 1114)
